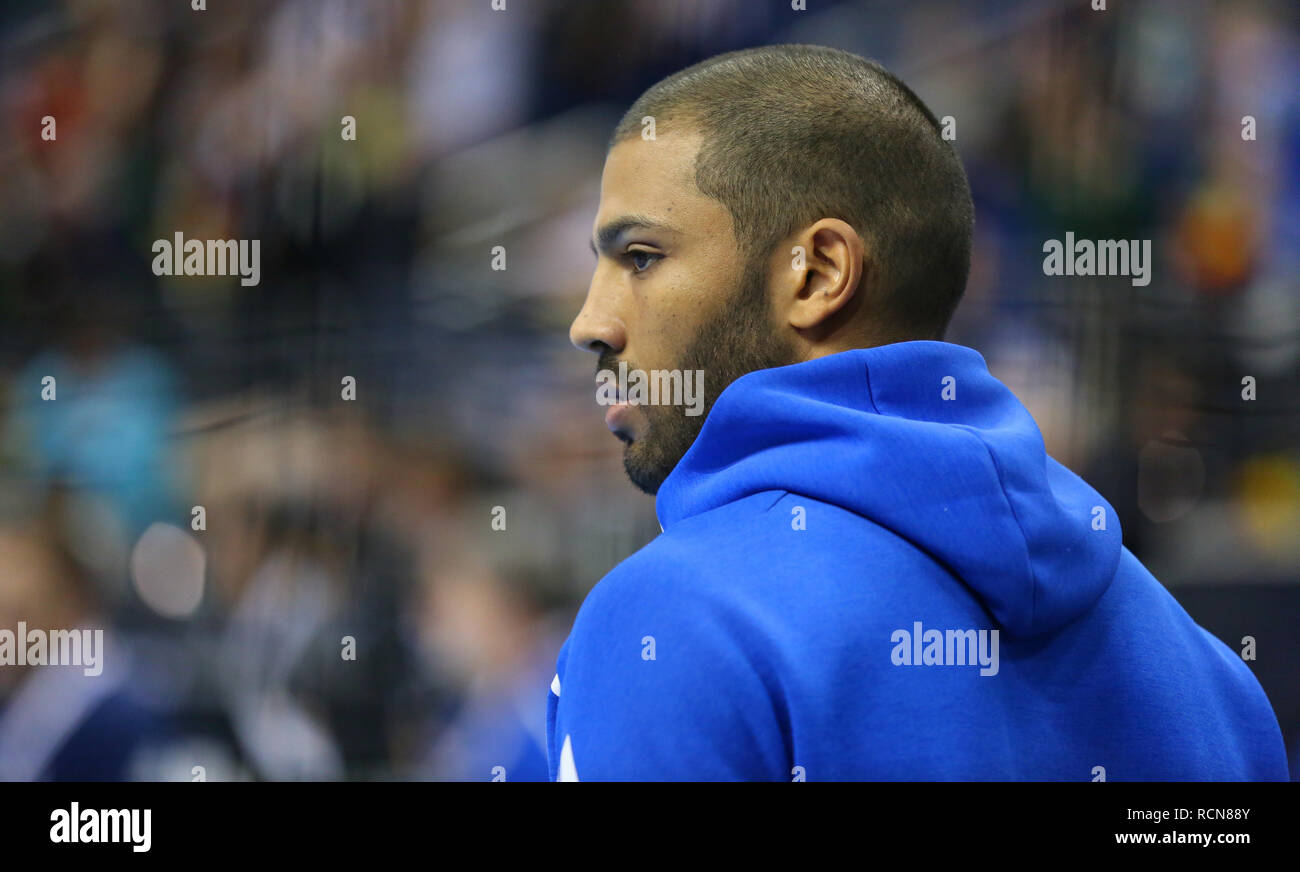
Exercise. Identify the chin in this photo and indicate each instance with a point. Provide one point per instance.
(644, 474)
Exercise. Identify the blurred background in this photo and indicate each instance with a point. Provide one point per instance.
(327, 519)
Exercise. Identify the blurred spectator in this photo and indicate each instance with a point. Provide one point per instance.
(66, 722)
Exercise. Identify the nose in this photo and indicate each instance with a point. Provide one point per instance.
(597, 328)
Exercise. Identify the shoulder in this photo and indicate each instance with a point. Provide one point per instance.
(698, 562)
(760, 546)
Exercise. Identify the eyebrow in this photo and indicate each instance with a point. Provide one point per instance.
(609, 233)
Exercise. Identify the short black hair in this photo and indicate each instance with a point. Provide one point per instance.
(796, 133)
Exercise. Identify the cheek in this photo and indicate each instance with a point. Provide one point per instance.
(672, 312)
(671, 332)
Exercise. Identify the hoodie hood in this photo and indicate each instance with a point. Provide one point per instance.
(921, 439)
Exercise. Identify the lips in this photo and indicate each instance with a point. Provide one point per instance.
(618, 417)
(617, 420)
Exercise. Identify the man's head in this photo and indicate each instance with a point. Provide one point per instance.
(794, 201)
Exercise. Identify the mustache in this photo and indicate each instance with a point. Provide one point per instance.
(609, 361)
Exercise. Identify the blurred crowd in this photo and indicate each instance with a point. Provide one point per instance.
(300, 583)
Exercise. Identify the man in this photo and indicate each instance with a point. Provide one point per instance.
(869, 567)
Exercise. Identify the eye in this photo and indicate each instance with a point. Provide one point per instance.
(642, 260)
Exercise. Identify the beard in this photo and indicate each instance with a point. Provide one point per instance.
(740, 339)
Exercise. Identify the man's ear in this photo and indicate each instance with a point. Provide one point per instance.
(827, 261)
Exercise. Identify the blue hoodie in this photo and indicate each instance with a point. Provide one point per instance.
(871, 569)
